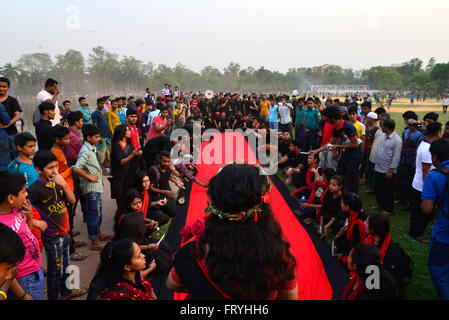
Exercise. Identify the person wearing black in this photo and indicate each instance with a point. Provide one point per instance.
(44, 129)
(13, 109)
(296, 165)
(154, 147)
(160, 176)
(392, 254)
(124, 162)
(284, 146)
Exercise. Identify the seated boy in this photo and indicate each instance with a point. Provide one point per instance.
(49, 195)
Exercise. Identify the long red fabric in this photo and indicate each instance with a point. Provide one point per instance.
(313, 283)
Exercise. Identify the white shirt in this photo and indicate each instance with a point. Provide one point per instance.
(446, 102)
(284, 113)
(44, 95)
(378, 138)
(422, 156)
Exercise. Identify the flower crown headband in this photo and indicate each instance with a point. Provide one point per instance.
(242, 215)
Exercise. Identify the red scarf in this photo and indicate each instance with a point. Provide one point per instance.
(310, 174)
(383, 248)
(134, 136)
(352, 222)
(355, 293)
(145, 202)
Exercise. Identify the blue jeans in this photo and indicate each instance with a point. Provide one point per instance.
(5, 158)
(34, 284)
(274, 125)
(94, 214)
(57, 248)
(439, 267)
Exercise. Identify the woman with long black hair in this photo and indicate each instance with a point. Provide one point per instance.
(124, 162)
(241, 254)
(363, 261)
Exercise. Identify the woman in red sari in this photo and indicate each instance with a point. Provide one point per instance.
(241, 253)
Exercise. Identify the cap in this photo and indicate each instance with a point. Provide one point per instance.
(342, 108)
(372, 115)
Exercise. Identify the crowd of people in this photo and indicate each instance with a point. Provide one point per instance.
(327, 149)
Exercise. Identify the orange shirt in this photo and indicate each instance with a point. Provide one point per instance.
(63, 167)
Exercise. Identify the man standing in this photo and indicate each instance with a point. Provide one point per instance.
(285, 118)
(44, 129)
(387, 162)
(84, 109)
(299, 123)
(445, 104)
(312, 118)
(434, 193)
(13, 110)
(113, 117)
(419, 220)
(264, 110)
(100, 121)
(49, 94)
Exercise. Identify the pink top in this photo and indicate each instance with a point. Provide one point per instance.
(153, 133)
(32, 261)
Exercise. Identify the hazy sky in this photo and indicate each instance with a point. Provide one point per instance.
(275, 34)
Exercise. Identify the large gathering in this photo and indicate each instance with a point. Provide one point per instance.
(221, 159)
(121, 151)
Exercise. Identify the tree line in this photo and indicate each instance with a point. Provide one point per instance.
(103, 72)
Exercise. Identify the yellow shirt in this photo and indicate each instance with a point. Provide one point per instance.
(113, 120)
(264, 107)
(360, 127)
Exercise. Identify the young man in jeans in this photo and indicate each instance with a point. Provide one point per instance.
(49, 195)
(91, 184)
(435, 192)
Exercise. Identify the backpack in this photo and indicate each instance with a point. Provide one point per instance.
(445, 193)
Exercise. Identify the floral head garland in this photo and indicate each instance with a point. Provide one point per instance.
(242, 215)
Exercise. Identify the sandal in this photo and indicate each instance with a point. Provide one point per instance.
(105, 237)
(98, 247)
(75, 293)
(77, 257)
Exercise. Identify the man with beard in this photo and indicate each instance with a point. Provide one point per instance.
(160, 175)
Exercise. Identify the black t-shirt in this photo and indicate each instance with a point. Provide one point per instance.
(331, 206)
(44, 134)
(159, 180)
(295, 160)
(345, 133)
(284, 148)
(11, 105)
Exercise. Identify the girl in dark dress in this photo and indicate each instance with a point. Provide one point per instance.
(362, 258)
(241, 253)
